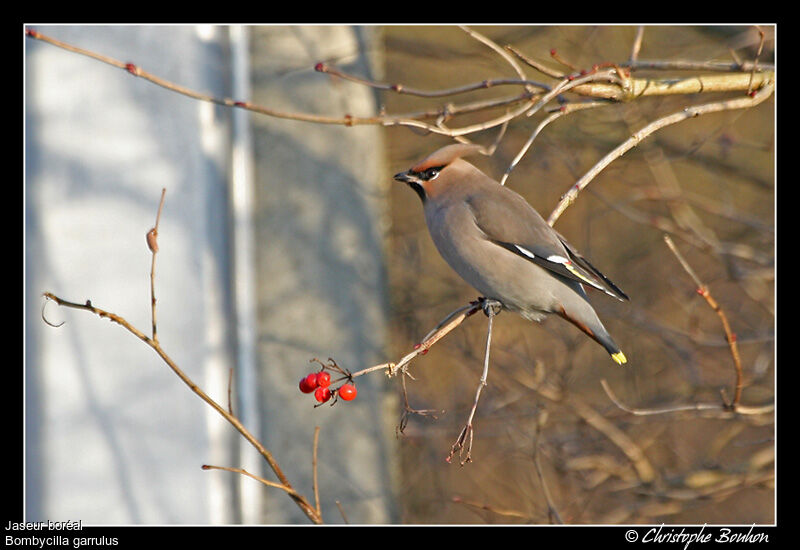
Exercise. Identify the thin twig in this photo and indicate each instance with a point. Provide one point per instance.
(341, 511)
(691, 407)
(230, 387)
(563, 110)
(689, 112)
(678, 65)
(493, 509)
(314, 469)
(244, 472)
(544, 69)
(730, 336)
(554, 55)
(629, 88)
(233, 420)
(441, 330)
(152, 243)
(346, 120)
(637, 44)
(407, 90)
(408, 410)
(572, 83)
(745, 80)
(510, 60)
(755, 61)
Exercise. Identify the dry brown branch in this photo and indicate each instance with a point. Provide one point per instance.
(563, 110)
(744, 80)
(612, 85)
(489, 508)
(589, 84)
(441, 330)
(689, 112)
(718, 410)
(289, 490)
(730, 336)
(510, 60)
(407, 90)
(284, 484)
(412, 120)
(153, 343)
(644, 470)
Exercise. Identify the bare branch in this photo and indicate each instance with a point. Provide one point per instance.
(233, 420)
(563, 110)
(720, 408)
(730, 336)
(152, 243)
(244, 472)
(689, 112)
(637, 44)
(314, 470)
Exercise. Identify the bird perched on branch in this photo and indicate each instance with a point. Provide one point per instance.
(501, 246)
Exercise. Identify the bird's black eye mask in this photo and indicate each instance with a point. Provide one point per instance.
(430, 173)
(416, 179)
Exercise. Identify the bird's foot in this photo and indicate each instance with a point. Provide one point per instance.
(491, 307)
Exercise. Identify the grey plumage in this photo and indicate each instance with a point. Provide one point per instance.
(500, 245)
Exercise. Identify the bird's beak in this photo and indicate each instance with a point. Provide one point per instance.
(409, 178)
(405, 177)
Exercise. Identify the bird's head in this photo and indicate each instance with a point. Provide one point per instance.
(435, 165)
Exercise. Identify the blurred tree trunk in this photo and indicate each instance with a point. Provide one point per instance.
(320, 223)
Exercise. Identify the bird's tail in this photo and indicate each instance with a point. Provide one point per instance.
(597, 332)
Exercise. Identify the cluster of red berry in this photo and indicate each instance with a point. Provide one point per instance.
(319, 383)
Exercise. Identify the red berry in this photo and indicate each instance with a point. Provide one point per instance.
(322, 394)
(323, 379)
(348, 392)
(308, 383)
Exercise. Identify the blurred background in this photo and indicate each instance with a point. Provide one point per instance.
(282, 241)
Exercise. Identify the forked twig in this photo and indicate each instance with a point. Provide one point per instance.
(441, 330)
(153, 343)
(260, 479)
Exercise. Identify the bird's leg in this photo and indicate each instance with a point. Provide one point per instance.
(463, 444)
(490, 306)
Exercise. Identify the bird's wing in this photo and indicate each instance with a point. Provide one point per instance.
(509, 221)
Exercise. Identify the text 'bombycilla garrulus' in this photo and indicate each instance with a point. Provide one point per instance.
(501, 246)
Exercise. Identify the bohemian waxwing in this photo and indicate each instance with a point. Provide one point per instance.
(501, 246)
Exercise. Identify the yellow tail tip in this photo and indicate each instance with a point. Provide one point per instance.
(619, 358)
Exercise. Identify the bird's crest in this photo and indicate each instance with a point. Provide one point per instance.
(446, 155)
